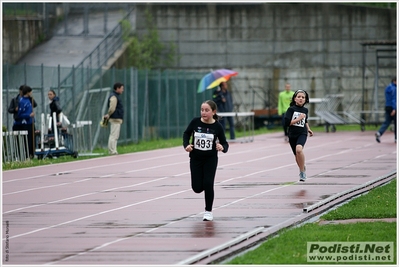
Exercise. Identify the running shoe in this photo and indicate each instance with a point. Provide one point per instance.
(208, 216)
(377, 137)
(302, 176)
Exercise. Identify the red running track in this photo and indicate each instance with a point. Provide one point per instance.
(136, 209)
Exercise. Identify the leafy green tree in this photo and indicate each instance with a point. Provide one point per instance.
(147, 51)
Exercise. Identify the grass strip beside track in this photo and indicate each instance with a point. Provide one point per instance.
(289, 246)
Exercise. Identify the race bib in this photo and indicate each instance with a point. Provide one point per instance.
(203, 141)
(300, 123)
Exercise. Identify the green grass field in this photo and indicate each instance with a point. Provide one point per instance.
(289, 246)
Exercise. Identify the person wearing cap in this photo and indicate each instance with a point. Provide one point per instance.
(390, 110)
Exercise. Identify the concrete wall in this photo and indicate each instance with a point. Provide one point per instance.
(20, 36)
(314, 46)
(25, 25)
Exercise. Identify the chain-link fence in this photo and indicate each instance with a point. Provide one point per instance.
(158, 104)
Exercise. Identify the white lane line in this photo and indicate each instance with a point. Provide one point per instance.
(171, 194)
(85, 195)
(87, 179)
(220, 207)
(136, 170)
(155, 180)
(51, 170)
(137, 161)
(97, 214)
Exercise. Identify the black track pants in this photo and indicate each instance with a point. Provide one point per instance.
(203, 178)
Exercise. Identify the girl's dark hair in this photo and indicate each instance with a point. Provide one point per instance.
(214, 107)
(26, 89)
(295, 94)
(51, 90)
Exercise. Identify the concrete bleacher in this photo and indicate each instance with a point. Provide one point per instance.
(70, 49)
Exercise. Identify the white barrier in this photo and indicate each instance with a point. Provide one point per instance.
(83, 137)
(249, 131)
(15, 146)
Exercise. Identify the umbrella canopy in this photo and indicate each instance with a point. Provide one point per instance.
(214, 78)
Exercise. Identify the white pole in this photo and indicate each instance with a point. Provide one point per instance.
(55, 130)
(42, 133)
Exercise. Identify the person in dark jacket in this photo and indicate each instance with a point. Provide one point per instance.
(26, 118)
(296, 118)
(207, 139)
(13, 107)
(115, 117)
(54, 104)
(390, 110)
(224, 102)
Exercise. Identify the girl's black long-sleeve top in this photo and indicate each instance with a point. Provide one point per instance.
(55, 107)
(300, 127)
(203, 138)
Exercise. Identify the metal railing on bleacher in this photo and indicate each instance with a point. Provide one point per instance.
(90, 69)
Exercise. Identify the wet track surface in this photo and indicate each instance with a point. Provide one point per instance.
(139, 209)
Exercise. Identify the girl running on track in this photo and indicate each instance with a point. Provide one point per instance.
(296, 118)
(207, 138)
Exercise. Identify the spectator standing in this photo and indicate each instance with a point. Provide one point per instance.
(390, 110)
(13, 107)
(224, 102)
(284, 100)
(115, 117)
(54, 104)
(207, 139)
(26, 118)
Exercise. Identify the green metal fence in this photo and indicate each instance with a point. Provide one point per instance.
(158, 104)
